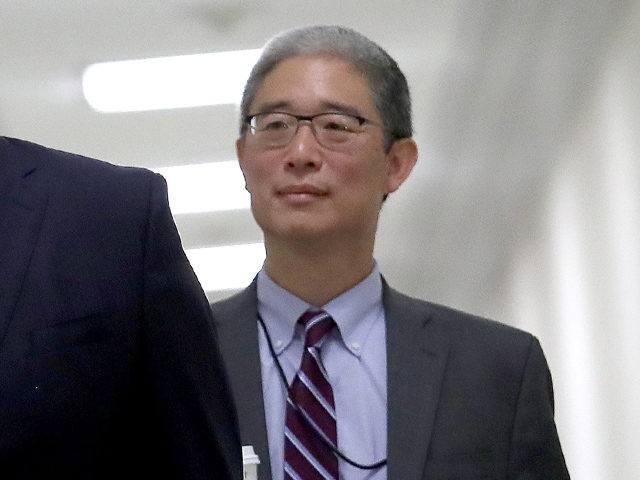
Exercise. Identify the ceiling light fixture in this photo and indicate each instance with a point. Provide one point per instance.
(168, 82)
(205, 187)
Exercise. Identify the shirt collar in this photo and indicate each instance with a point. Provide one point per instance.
(354, 311)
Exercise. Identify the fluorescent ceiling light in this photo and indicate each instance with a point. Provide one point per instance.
(168, 82)
(205, 187)
(227, 267)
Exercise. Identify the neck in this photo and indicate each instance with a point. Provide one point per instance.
(322, 275)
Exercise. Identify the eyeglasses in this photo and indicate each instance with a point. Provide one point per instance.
(335, 131)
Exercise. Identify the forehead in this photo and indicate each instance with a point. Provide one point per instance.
(310, 83)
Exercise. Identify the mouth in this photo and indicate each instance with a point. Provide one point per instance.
(303, 192)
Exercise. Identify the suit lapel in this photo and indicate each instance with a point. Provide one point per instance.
(23, 198)
(416, 359)
(236, 322)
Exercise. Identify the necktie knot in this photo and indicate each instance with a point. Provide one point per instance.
(317, 324)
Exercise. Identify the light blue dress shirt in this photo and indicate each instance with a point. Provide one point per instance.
(354, 356)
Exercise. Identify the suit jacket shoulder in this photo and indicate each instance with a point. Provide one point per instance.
(471, 395)
(455, 322)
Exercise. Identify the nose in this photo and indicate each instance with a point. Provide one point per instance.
(303, 150)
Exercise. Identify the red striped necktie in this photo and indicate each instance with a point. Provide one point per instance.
(310, 425)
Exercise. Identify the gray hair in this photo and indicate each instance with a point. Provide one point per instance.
(387, 83)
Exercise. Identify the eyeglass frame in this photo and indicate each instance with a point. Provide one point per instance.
(308, 118)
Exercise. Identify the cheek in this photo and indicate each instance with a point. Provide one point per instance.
(366, 175)
(250, 179)
(256, 175)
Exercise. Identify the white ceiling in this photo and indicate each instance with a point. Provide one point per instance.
(497, 87)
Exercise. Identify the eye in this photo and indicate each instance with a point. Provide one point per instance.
(271, 122)
(335, 126)
(339, 123)
(273, 125)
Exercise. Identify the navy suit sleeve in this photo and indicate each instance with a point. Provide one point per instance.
(187, 381)
(535, 451)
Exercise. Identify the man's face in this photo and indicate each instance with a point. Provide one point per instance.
(303, 189)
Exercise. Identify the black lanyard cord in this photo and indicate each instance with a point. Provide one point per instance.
(337, 452)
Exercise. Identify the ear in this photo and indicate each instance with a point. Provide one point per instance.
(240, 155)
(400, 161)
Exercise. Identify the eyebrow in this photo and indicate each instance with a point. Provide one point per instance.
(325, 106)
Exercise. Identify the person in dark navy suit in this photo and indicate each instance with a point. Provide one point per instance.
(109, 364)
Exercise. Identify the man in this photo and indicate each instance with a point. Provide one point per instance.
(109, 366)
(398, 388)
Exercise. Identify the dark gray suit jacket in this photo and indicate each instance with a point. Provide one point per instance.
(467, 397)
(109, 366)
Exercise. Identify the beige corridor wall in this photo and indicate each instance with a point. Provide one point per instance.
(576, 281)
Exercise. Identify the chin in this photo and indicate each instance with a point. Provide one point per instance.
(297, 231)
